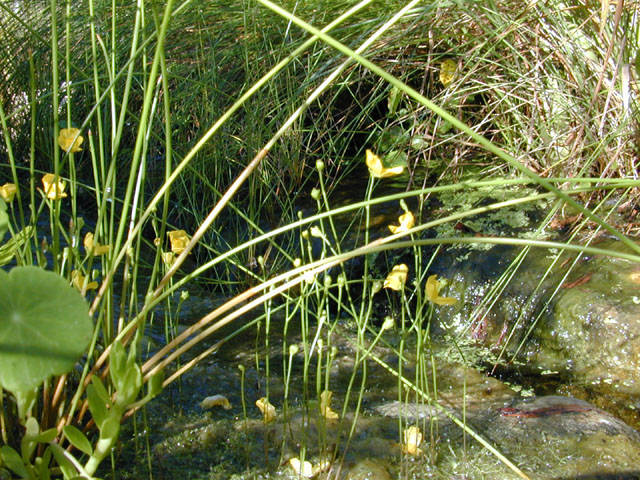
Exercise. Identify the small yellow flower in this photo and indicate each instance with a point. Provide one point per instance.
(78, 281)
(433, 292)
(215, 401)
(168, 258)
(53, 189)
(447, 71)
(69, 138)
(304, 469)
(268, 410)
(8, 191)
(378, 170)
(397, 278)
(412, 440)
(406, 221)
(179, 240)
(97, 249)
(325, 406)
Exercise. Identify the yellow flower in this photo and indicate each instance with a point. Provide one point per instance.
(168, 258)
(307, 469)
(53, 189)
(69, 138)
(447, 71)
(8, 191)
(304, 469)
(397, 278)
(433, 292)
(406, 222)
(215, 401)
(179, 240)
(78, 281)
(412, 440)
(97, 249)
(268, 410)
(325, 406)
(378, 170)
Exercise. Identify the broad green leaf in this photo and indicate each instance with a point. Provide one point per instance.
(27, 445)
(111, 427)
(67, 467)
(44, 327)
(26, 400)
(31, 427)
(154, 384)
(101, 391)
(46, 436)
(77, 439)
(12, 460)
(117, 364)
(132, 385)
(43, 465)
(97, 406)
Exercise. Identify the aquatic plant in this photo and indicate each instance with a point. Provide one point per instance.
(146, 163)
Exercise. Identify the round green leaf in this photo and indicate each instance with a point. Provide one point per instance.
(44, 327)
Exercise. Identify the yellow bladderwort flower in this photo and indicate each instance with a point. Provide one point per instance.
(268, 410)
(433, 292)
(53, 189)
(412, 440)
(307, 469)
(168, 258)
(406, 221)
(97, 249)
(378, 170)
(325, 406)
(397, 278)
(304, 469)
(215, 401)
(8, 191)
(78, 281)
(447, 71)
(70, 140)
(179, 240)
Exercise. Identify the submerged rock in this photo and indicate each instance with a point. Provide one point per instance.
(582, 324)
(592, 331)
(551, 436)
(564, 436)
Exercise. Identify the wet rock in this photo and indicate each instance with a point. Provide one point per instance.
(411, 411)
(368, 469)
(560, 417)
(593, 328)
(563, 437)
(481, 393)
(549, 436)
(583, 324)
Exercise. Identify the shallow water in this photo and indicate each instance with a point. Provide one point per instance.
(186, 441)
(369, 440)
